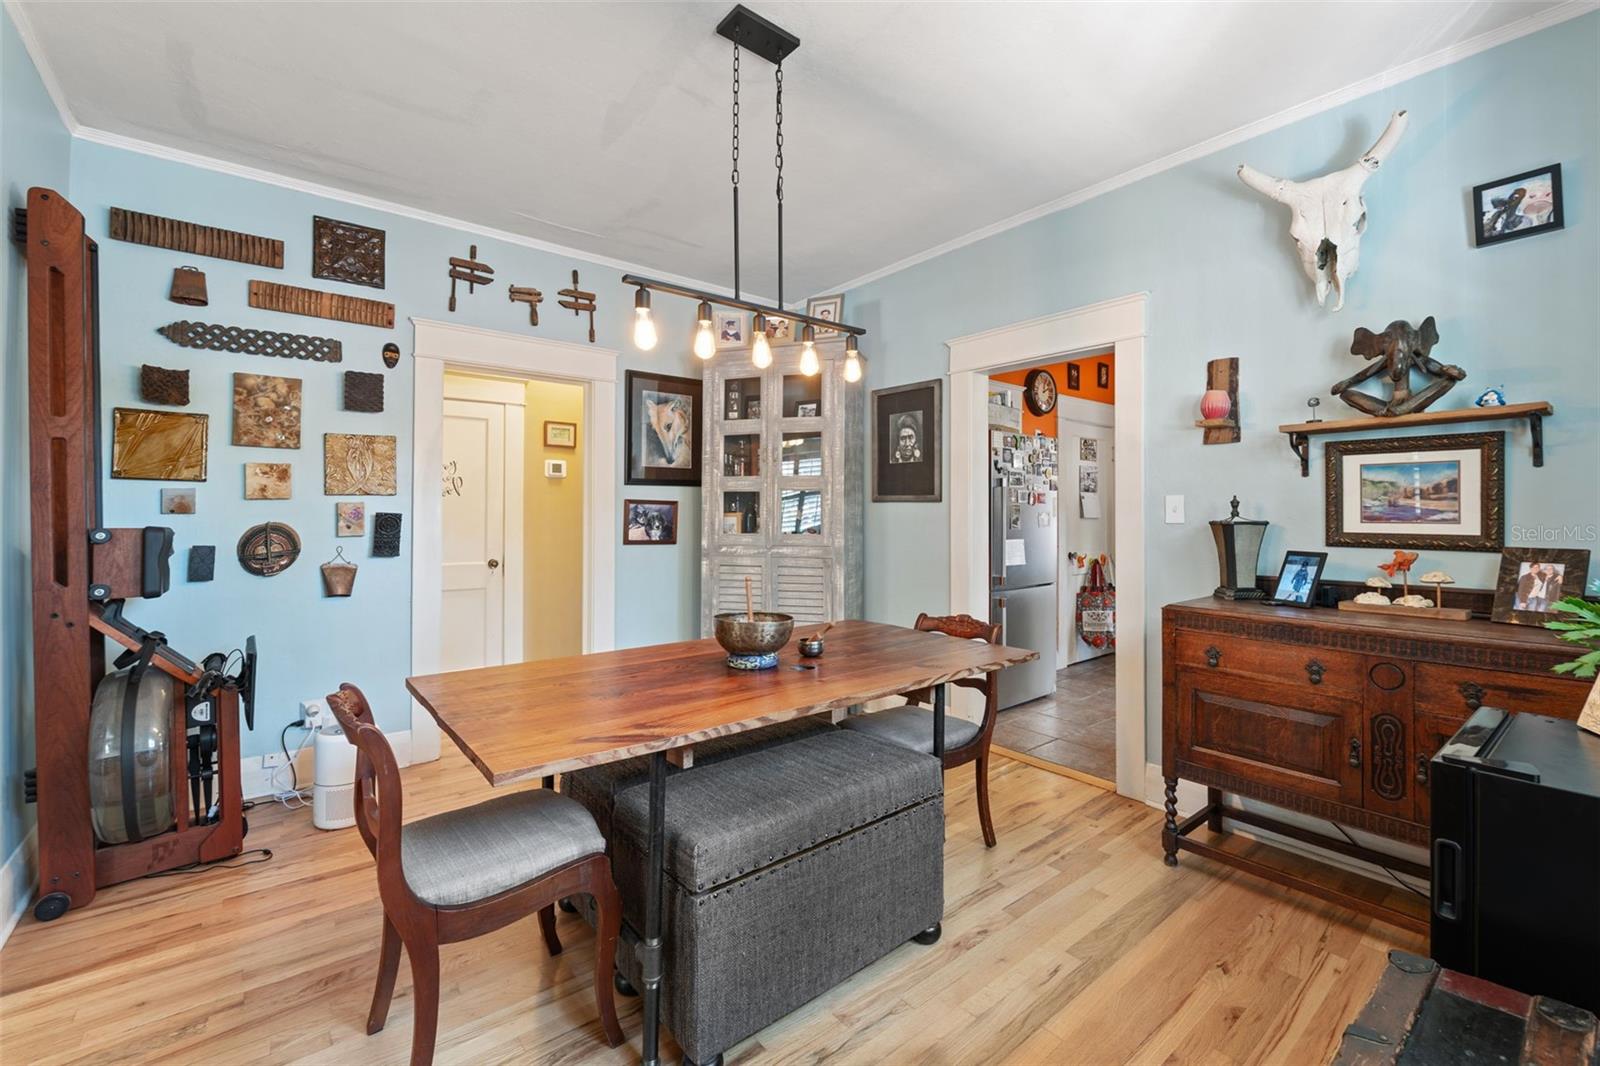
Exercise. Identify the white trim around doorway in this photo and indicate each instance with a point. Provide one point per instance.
(438, 345)
(1118, 324)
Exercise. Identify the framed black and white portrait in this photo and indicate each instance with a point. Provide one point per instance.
(663, 429)
(906, 465)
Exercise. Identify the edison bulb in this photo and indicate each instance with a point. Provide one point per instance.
(705, 345)
(808, 361)
(644, 330)
(852, 368)
(761, 351)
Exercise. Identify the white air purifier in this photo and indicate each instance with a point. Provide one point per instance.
(333, 789)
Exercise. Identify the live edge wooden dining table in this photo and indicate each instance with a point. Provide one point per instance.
(539, 719)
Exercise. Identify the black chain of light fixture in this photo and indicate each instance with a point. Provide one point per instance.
(736, 169)
(779, 160)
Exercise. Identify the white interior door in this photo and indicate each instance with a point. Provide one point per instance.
(472, 630)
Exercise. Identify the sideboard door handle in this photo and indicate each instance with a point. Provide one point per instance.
(1355, 752)
(1422, 768)
(1472, 692)
(1314, 671)
(1213, 656)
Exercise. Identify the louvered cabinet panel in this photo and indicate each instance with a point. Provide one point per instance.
(802, 587)
(727, 584)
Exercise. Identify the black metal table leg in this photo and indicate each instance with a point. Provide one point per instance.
(938, 721)
(649, 949)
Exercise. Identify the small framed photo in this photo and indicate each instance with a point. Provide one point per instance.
(806, 410)
(1439, 493)
(560, 435)
(752, 408)
(732, 521)
(731, 329)
(1299, 578)
(1074, 377)
(779, 330)
(649, 521)
(1533, 580)
(1519, 206)
(177, 501)
(827, 308)
(906, 466)
(1102, 375)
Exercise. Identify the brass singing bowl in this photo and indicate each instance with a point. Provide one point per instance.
(742, 634)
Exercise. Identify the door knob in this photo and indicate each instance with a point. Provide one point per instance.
(494, 564)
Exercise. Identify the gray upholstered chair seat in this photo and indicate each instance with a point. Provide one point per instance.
(912, 727)
(476, 852)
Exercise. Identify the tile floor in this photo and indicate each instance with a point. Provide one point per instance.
(1075, 727)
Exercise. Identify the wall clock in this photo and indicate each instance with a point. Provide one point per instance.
(1039, 392)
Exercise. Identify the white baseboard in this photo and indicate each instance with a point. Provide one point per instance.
(17, 879)
(1192, 796)
(256, 780)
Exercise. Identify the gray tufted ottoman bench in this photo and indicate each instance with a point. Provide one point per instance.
(789, 868)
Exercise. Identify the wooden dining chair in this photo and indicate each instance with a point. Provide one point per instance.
(911, 726)
(467, 872)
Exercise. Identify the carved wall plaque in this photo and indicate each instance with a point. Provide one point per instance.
(252, 341)
(268, 549)
(158, 232)
(344, 251)
(357, 464)
(158, 445)
(362, 391)
(202, 562)
(157, 384)
(266, 411)
(294, 300)
(268, 481)
(385, 535)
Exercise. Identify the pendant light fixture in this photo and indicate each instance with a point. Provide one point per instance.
(749, 32)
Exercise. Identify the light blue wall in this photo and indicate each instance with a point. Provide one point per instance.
(308, 642)
(34, 149)
(1223, 280)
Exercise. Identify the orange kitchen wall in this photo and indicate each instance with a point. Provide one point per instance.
(1087, 389)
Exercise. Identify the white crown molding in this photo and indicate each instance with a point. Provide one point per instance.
(1541, 20)
(47, 74)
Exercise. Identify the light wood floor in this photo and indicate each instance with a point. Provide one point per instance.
(1068, 943)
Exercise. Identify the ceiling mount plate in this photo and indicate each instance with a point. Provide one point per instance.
(752, 32)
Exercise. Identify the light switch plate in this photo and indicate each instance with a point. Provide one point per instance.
(1174, 510)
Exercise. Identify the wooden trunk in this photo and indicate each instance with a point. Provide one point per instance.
(1333, 714)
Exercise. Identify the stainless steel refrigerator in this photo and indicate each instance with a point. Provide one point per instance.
(1023, 539)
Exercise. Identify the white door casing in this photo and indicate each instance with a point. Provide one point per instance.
(438, 344)
(1118, 324)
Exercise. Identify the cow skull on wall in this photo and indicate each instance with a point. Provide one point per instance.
(1327, 215)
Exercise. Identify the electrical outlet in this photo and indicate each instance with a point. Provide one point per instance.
(315, 713)
(272, 760)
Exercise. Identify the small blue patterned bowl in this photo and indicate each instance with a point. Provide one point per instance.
(762, 661)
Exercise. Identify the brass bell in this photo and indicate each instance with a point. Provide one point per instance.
(188, 286)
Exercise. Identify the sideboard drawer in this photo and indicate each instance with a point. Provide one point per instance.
(1320, 670)
(1454, 691)
(1273, 734)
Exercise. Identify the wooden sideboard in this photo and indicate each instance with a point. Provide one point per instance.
(1335, 715)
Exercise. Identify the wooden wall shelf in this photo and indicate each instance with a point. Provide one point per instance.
(1300, 433)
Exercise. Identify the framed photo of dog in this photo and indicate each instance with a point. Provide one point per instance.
(663, 429)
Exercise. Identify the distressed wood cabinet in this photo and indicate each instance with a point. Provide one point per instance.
(1333, 715)
(783, 486)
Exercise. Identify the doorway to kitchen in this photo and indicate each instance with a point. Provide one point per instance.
(1051, 430)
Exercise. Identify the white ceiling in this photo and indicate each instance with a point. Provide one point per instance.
(604, 127)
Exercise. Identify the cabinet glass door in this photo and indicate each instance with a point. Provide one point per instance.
(800, 512)
(801, 455)
(741, 512)
(741, 455)
(802, 396)
(741, 399)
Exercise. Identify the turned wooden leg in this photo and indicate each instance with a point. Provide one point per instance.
(424, 957)
(608, 925)
(388, 968)
(983, 800)
(547, 923)
(1214, 801)
(1169, 831)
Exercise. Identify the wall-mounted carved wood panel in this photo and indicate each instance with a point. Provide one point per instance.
(294, 300)
(252, 341)
(363, 392)
(138, 228)
(344, 251)
(266, 411)
(158, 445)
(358, 464)
(157, 384)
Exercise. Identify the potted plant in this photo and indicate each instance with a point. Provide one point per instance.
(1584, 630)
